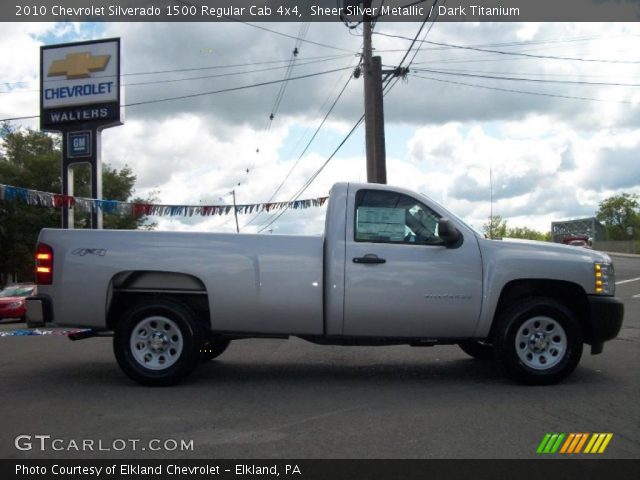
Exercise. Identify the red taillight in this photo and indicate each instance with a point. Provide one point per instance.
(44, 264)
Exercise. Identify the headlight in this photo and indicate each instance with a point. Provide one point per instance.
(605, 278)
(15, 304)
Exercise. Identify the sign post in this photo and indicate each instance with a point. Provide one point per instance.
(79, 97)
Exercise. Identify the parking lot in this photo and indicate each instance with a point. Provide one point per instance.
(292, 399)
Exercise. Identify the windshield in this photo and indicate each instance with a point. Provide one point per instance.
(16, 292)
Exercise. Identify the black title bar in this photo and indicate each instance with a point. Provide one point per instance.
(320, 10)
(569, 469)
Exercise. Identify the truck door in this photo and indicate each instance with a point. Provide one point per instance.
(400, 278)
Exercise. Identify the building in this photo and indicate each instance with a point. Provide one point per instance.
(587, 227)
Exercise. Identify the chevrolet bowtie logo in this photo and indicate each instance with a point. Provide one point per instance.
(78, 65)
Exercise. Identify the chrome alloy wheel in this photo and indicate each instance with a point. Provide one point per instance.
(541, 343)
(156, 343)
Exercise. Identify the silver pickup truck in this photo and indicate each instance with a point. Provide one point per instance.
(393, 267)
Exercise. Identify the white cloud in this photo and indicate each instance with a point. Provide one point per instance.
(551, 158)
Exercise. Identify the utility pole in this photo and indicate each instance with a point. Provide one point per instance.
(490, 202)
(373, 105)
(235, 210)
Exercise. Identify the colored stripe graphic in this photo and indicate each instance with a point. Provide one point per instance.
(556, 446)
(568, 442)
(572, 443)
(598, 442)
(603, 447)
(582, 441)
(551, 443)
(543, 443)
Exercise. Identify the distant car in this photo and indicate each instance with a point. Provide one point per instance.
(12, 300)
(580, 243)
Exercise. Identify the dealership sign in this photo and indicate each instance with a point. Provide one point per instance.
(80, 84)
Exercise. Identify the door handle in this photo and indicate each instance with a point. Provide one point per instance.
(369, 258)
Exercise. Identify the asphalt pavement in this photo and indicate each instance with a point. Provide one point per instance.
(292, 399)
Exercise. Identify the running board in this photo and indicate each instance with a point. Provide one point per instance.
(88, 334)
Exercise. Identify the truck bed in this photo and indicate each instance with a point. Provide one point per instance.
(254, 283)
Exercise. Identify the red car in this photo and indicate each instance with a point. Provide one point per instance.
(12, 304)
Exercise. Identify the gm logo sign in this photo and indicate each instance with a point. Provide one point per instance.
(79, 144)
(574, 443)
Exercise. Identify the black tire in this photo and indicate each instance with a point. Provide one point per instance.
(549, 343)
(182, 342)
(477, 349)
(213, 348)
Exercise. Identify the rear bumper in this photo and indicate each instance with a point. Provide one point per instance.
(606, 315)
(17, 312)
(39, 311)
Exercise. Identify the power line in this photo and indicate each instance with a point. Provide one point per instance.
(302, 33)
(219, 75)
(275, 32)
(415, 39)
(213, 92)
(233, 89)
(540, 74)
(538, 80)
(191, 69)
(423, 38)
(315, 175)
(542, 94)
(516, 43)
(305, 148)
(502, 52)
(386, 89)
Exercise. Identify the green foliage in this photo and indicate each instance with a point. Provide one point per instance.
(496, 227)
(31, 159)
(116, 185)
(618, 213)
(528, 234)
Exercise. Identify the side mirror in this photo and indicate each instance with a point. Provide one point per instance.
(448, 232)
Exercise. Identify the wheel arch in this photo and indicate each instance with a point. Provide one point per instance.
(129, 287)
(569, 294)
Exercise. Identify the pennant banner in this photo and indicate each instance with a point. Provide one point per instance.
(55, 200)
(40, 332)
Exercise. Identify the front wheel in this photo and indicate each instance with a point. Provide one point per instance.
(158, 342)
(538, 341)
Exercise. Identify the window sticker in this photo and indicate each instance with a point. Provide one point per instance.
(381, 224)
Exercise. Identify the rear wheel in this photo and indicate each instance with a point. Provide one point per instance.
(477, 349)
(538, 341)
(158, 342)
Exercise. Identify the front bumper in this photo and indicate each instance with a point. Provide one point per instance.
(606, 314)
(39, 311)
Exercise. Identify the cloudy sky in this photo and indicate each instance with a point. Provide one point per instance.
(557, 143)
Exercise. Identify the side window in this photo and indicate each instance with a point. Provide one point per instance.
(390, 217)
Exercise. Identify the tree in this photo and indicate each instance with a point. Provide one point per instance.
(528, 234)
(31, 159)
(496, 227)
(116, 185)
(618, 213)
